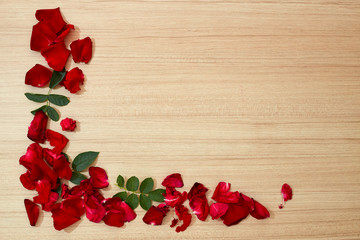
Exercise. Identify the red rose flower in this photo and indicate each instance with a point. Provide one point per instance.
(32, 211)
(57, 140)
(68, 124)
(173, 181)
(95, 212)
(155, 215)
(56, 55)
(38, 76)
(222, 194)
(73, 79)
(217, 210)
(98, 177)
(37, 127)
(81, 50)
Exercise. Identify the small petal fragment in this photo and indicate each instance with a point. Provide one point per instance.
(286, 192)
(68, 124)
(155, 215)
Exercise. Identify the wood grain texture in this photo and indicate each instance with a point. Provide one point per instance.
(256, 93)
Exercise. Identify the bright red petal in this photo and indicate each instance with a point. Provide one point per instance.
(73, 79)
(286, 192)
(114, 218)
(57, 140)
(95, 212)
(62, 219)
(129, 213)
(68, 124)
(51, 17)
(41, 37)
(56, 55)
(73, 206)
(98, 177)
(64, 32)
(27, 181)
(222, 194)
(155, 215)
(43, 188)
(173, 197)
(235, 214)
(218, 210)
(81, 50)
(62, 167)
(38, 76)
(32, 211)
(36, 131)
(200, 207)
(259, 212)
(173, 180)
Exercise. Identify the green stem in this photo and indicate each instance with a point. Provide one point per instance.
(136, 192)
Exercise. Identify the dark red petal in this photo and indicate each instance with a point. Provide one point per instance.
(235, 214)
(174, 222)
(197, 190)
(173, 180)
(155, 215)
(50, 156)
(286, 192)
(98, 177)
(32, 211)
(200, 207)
(68, 124)
(183, 214)
(81, 50)
(41, 37)
(64, 32)
(217, 210)
(32, 156)
(249, 202)
(62, 219)
(222, 194)
(174, 197)
(62, 167)
(259, 212)
(114, 218)
(57, 140)
(73, 206)
(112, 203)
(95, 212)
(53, 197)
(73, 79)
(76, 191)
(129, 213)
(51, 17)
(38, 76)
(27, 181)
(43, 188)
(37, 128)
(56, 55)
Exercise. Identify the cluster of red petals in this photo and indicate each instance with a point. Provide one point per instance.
(68, 124)
(286, 192)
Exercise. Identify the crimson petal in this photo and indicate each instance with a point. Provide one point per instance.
(73, 79)
(98, 177)
(259, 212)
(57, 140)
(62, 167)
(200, 207)
(286, 192)
(222, 194)
(95, 212)
(56, 55)
(235, 214)
(32, 211)
(155, 215)
(51, 17)
(73, 206)
(183, 214)
(114, 218)
(174, 197)
(43, 188)
(38, 76)
(68, 124)
(37, 128)
(62, 219)
(217, 210)
(81, 50)
(173, 180)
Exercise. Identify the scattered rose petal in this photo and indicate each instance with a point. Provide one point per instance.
(62, 219)
(235, 214)
(81, 50)
(53, 197)
(32, 211)
(114, 218)
(155, 215)
(62, 167)
(38, 76)
(197, 190)
(259, 212)
(52, 18)
(73, 79)
(98, 177)
(222, 194)
(218, 210)
(174, 197)
(41, 37)
(174, 222)
(56, 55)
(73, 206)
(37, 128)
(27, 180)
(173, 181)
(57, 140)
(183, 214)
(286, 192)
(95, 212)
(68, 124)
(200, 207)
(43, 188)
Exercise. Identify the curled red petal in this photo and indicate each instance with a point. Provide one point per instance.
(62, 219)
(43, 188)
(223, 195)
(174, 197)
(95, 212)
(63, 33)
(56, 55)
(173, 181)
(286, 192)
(52, 18)
(37, 128)
(174, 222)
(57, 140)
(183, 214)
(197, 190)
(200, 207)
(53, 197)
(38, 76)
(81, 50)
(155, 215)
(259, 212)
(62, 167)
(32, 211)
(68, 124)
(235, 214)
(98, 177)
(218, 210)
(73, 79)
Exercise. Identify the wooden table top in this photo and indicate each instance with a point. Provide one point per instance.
(255, 93)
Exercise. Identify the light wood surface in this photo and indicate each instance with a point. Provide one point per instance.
(255, 93)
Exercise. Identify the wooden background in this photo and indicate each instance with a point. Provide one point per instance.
(255, 93)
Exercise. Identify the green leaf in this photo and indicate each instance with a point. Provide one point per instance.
(84, 160)
(77, 177)
(52, 113)
(36, 97)
(59, 100)
(145, 202)
(132, 184)
(120, 181)
(56, 78)
(42, 108)
(156, 195)
(147, 185)
(122, 195)
(132, 200)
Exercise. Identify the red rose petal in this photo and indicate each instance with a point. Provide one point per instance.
(68, 124)
(52, 18)
(155, 215)
(173, 180)
(81, 50)
(114, 218)
(27, 181)
(235, 214)
(197, 190)
(32, 211)
(43, 188)
(174, 197)
(174, 222)
(41, 37)
(129, 213)
(218, 210)
(259, 212)
(73, 206)
(56, 55)
(62, 167)
(37, 128)
(38, 76)
(286, 192)
(64, 32)
(98, 177)
(95, 212)
(73, 79)
(62, 219)
(222, 194)
(183, 214)
(53, 197)
(57, 140)
(200, 207)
